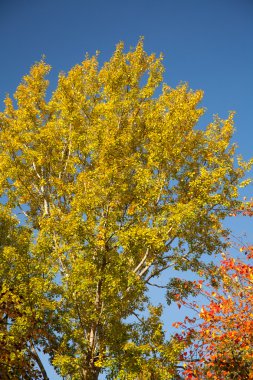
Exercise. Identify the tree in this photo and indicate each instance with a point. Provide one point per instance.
(23, 312)
(115, 185)
(221, 344)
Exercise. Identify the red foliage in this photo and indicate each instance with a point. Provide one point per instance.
(221, 343)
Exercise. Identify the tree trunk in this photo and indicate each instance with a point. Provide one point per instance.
(39, 362)
(91, 373)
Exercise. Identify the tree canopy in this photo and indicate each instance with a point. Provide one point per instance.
(104, 185)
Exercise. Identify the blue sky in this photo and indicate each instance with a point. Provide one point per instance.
(208, 43)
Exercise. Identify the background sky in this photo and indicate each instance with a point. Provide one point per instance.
(208, 43)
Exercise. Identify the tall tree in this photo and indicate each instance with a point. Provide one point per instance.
(116, 185)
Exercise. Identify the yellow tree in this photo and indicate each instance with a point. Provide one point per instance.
(116, 185)
(26, 300)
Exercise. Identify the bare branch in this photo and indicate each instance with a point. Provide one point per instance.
(139, 319)
(35, 169)
(63, 269)
(144, 270)
(22, 211)
(158, 271)
(142, 261)
(157, 286)
(66, 154)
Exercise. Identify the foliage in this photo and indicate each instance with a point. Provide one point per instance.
(221, 344)
(26, 302)
(115, 185)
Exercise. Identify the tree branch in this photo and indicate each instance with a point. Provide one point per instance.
(157, 272)
(35, 169)
(142, 261)
(38, 361)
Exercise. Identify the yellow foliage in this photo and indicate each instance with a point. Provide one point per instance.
(115, 184)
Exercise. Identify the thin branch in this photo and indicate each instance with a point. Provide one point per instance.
(158, 271)
(67, 150)
(170, 241)
(139, 319)
(142, 261)
(67, 159)
(144, 270)
(63, 269)
(22, 211)
(157, 286)
(35, 169)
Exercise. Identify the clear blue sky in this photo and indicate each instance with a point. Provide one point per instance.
(208, 43)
